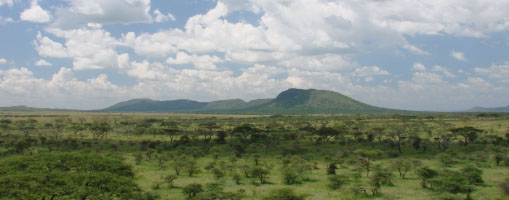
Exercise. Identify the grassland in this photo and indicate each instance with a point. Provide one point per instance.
(154, 148)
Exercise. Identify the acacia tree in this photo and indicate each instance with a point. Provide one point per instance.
(366, 157)
(208, 130)
(327, 133)
(379, 131)
(468, 133)
(66, 176)
(100, 130)
(26, 126)
(4, 125)
(403, 166)
(170, 129)
(244, 131)
(399, 133)
(76, 128)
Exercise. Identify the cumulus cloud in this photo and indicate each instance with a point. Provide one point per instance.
(6, 20)
(42, 63)
(48, 48)
(160, 17)
(90, 49)
(6, 2)
(60, 91)
(445, 71)
(79, 12)
(459, 56)
(368, 72)
(498, 72)
(200, 62)
(35, 13)
(3, 61)
(301, 43)
(419, 67)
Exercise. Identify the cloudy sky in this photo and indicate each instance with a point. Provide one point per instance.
(406, 54)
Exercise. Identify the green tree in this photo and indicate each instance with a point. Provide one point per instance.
(473, 175)
(335, 182)
(452, 182)
(445, 159)
(402, 166)
(468, 133)
(261, 173)
(425, 174)
(170, 179)
(66, 176)
(284, 194)
(366, 157)
(192, 190)
(100, 130)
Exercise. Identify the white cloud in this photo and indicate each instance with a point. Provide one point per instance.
(419, 67)
(160, 17)
(446, 72)
(159, 44)
(301, 43)
(42, 63)
(48, 48)
(79, 12)
(459, 56)
(499, 72)
(6, 20)
(200, 62)
(368, 72)
(90, 49)
(35, 13)
(6, 2)
(61, 90)
(3, 61)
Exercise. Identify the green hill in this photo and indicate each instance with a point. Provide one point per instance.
(291, 101)
(297, 101)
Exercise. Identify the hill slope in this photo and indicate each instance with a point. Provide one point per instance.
(291, 101)
(297, 101)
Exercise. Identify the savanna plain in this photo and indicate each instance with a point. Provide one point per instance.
(93, 155)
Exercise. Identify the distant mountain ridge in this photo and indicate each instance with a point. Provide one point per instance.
(482, 109)
(291, 101)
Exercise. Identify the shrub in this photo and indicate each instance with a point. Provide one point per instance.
(336, 181)
(192, 189)
(284, 194)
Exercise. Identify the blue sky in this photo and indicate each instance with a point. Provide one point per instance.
(420, 55)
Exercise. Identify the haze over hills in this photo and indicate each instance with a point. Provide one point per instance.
(482, 109)
(291, 101)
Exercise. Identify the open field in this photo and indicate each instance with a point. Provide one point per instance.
(250, 156)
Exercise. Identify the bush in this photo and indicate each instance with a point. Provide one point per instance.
(290, 176)
(336, 181)
(192, 189)
(445, 159)
(284, 194)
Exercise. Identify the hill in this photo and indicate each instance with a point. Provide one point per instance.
(30, 109)
(291, 101)
(497, 109)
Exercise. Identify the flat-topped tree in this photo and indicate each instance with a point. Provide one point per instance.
(244, 132)
(100, 130)
(26, 126)
(469, 134)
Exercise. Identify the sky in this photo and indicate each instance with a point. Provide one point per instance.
(429, 55)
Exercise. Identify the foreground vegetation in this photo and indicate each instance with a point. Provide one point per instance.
(162, 156)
